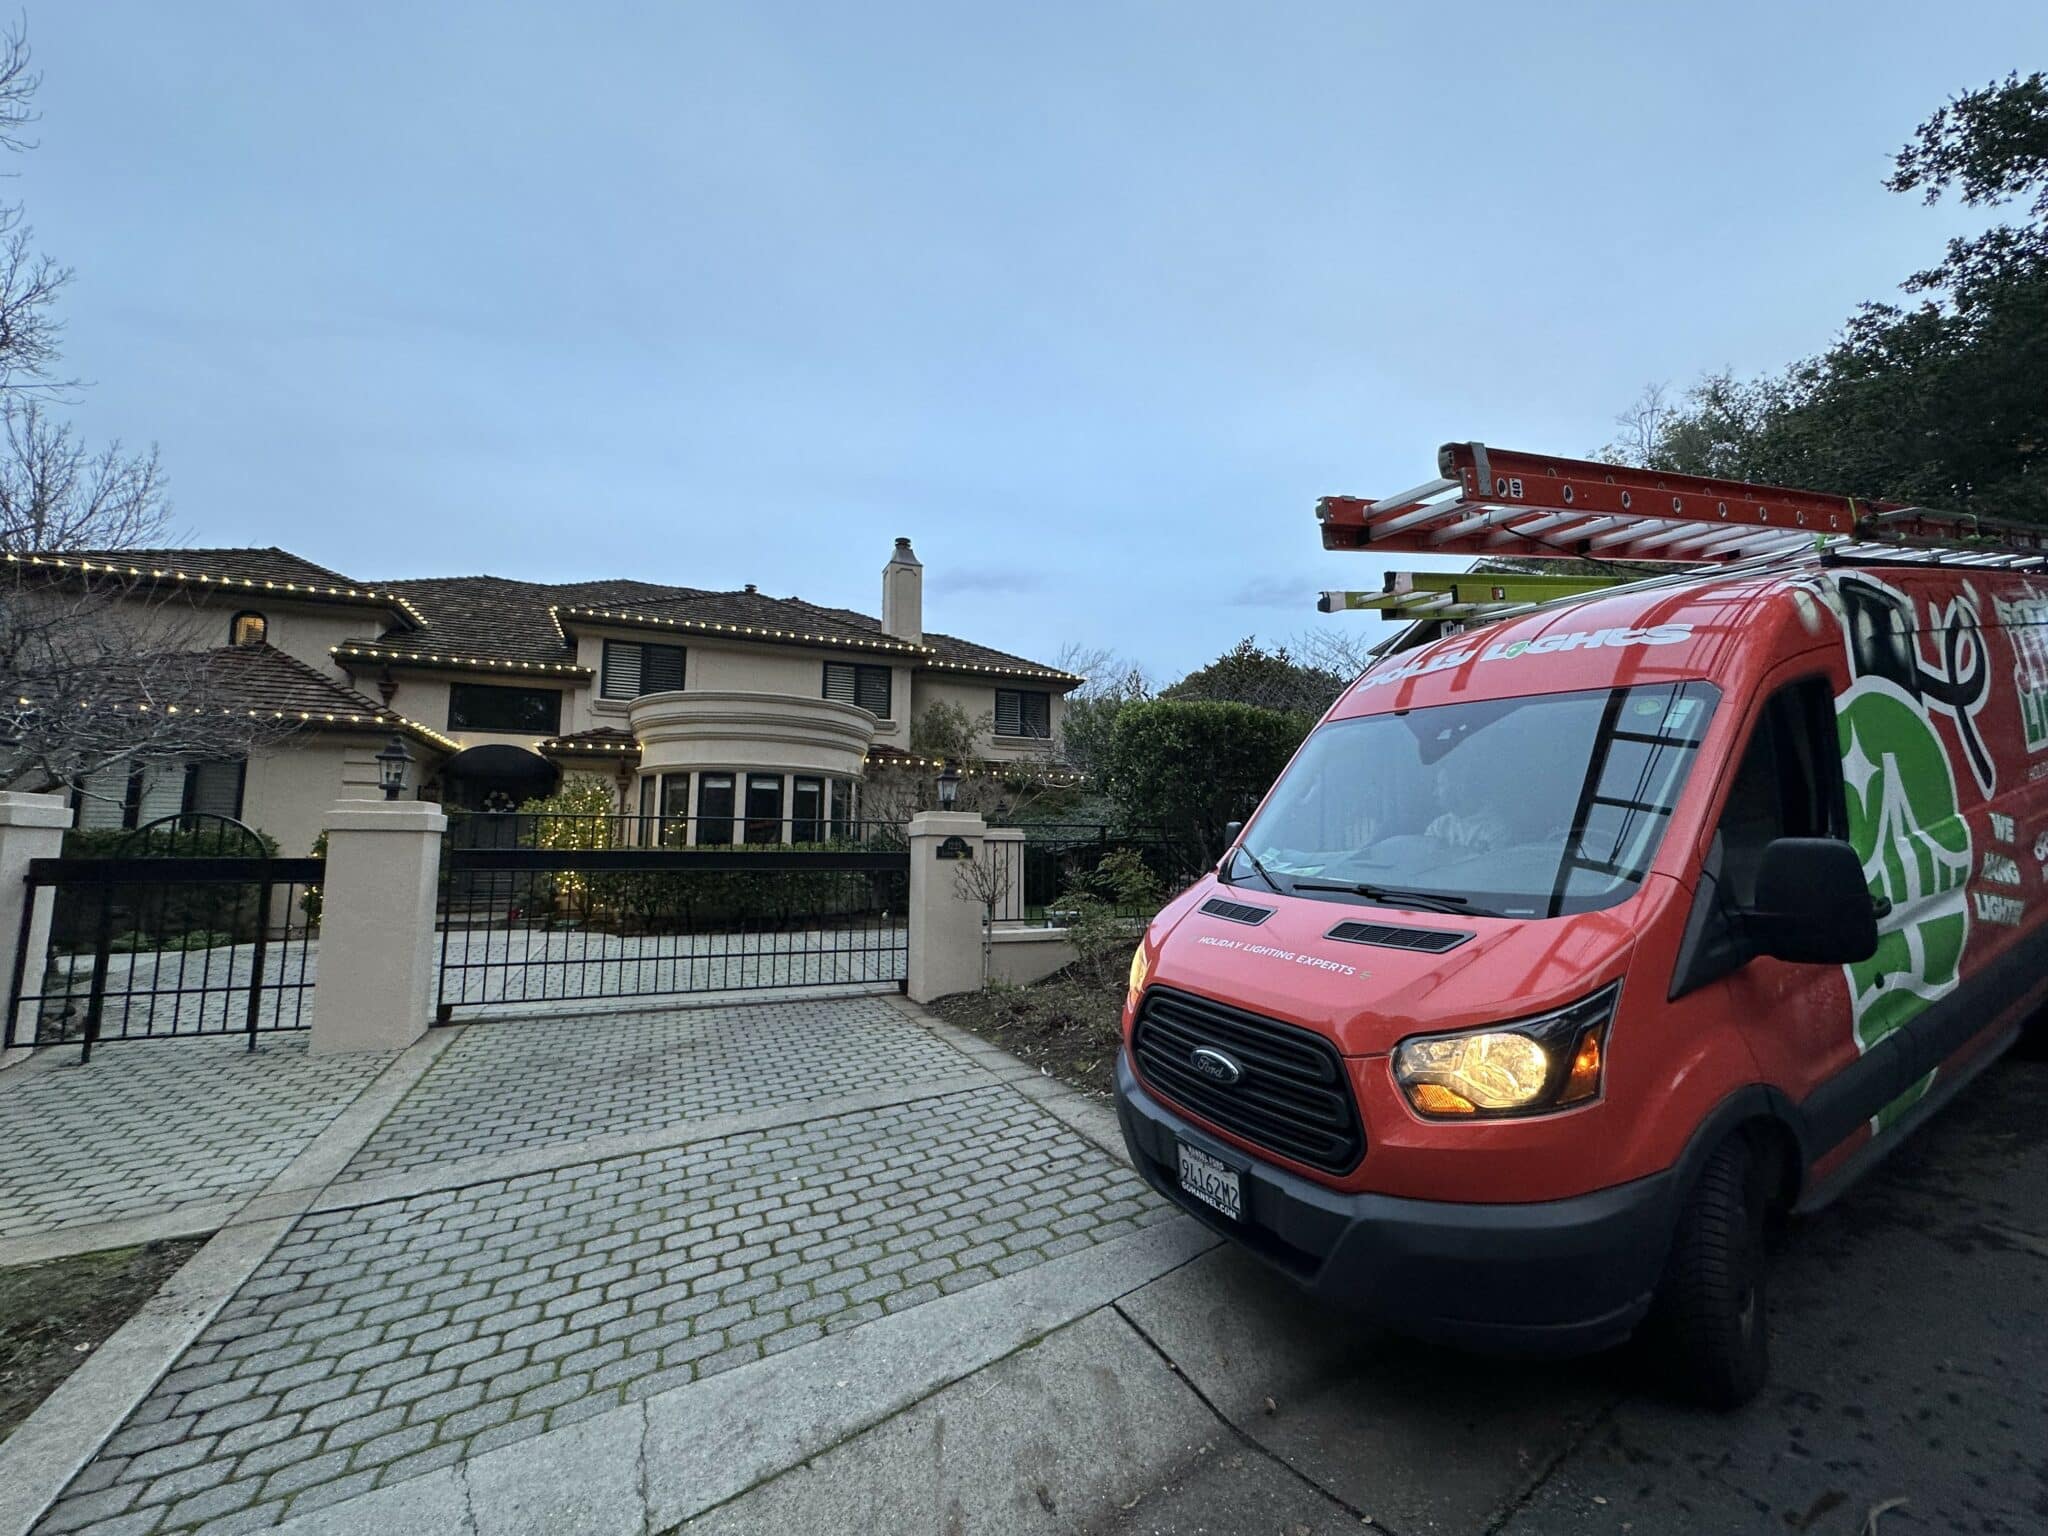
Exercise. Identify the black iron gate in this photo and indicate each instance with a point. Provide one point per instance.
(175, 940)
(564, 924)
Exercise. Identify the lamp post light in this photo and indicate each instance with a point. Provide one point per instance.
(392, 764)
(949, 785)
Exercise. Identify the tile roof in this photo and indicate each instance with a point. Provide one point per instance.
(491, 619)
(258, 565)
(256, 570)
(263, 680)
(949, 650)
(497, 618)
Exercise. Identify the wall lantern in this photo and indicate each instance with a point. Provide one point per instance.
(392, 764)
(949, 785)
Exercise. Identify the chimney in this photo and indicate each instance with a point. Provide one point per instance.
(903, 595)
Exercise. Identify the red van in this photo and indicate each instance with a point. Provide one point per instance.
(1570, 951)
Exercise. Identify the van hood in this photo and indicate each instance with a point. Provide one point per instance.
(1367, 997)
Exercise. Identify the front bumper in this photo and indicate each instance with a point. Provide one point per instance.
(1549, 1277)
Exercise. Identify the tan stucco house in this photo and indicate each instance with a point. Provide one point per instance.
(754, 717)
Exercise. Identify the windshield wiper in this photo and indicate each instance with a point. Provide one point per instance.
(1428, 901)
(1272, 884)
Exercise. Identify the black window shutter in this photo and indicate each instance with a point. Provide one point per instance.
(1009, 712)
(1037, 714)
(839, 684)
(874, 691)
(661, 668)
(622, 669)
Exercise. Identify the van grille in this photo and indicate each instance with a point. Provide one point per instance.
(1432, 941)
(1236, 911)
(1293, 1099)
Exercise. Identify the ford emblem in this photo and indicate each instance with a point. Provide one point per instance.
(1215, 1066)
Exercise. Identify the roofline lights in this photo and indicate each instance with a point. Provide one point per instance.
(382, 721)
(241, 583)
(760, 631)
(987, 768)
(563, 744)
(437, 659)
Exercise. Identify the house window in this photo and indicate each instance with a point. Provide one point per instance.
(764, 808)
(675, 809)
(849, 683)
(650, 788)
(214, 789)
(631, 669)
(842, 809)
(1020, 712)
(248, 629)
(807, 810)
(134, 795)
(714, 807)
(488, 707)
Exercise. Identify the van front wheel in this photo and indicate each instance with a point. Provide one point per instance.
(1708, 1326)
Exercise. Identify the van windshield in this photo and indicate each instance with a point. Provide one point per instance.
(1527, 807)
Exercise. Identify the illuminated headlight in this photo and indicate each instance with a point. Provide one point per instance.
(1530, 1065)
(1140, 969)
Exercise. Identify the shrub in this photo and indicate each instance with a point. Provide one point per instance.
(150, 916)
(1097, 926)
(1190, 767)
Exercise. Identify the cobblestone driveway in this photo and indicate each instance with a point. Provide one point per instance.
(380, 1343)
(151, 1125)
(516, 1084)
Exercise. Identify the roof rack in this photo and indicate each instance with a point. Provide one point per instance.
(1493, 502)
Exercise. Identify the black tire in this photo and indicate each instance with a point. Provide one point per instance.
(1709, 1325)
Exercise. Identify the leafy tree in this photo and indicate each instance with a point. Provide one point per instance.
(1936, 402)
(945, 730)
(1091, 709)
(1249, 674)
(1189, 766)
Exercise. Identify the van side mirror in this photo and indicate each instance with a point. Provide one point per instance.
(1813, 906)
(1230, 831)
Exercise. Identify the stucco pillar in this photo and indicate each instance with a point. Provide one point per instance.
(945, 919)
(31, 827)
(375, 988)
(1006, 854)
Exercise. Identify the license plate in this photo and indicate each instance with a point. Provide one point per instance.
(1211, 1181)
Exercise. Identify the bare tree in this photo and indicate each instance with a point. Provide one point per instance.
(1345, 649)
(1109, 675)
(1640, 440)
(986, 882)
(96, 670)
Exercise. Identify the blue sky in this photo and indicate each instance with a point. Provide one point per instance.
(1092, 300)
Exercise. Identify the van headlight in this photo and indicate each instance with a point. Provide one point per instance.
(1530, 1065)
(1140, 969)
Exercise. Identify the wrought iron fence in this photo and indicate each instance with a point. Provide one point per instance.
(566, 923)
(160, 947)
(579, 830)
(1063, 860)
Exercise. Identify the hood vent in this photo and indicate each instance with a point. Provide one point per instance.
(1429, 941)
(1236, 911)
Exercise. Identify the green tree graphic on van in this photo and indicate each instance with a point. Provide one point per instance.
(1906, 826)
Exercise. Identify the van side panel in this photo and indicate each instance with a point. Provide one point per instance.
(1943, 721)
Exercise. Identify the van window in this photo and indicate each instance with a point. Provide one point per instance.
(1787, 784)
(1523, 807)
